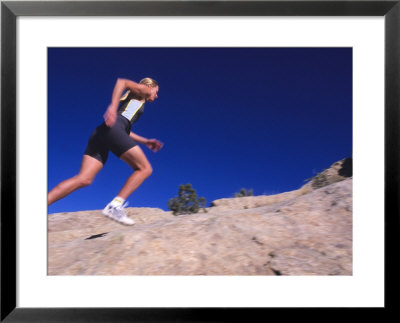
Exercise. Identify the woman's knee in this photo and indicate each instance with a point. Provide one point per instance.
(84, 180)
(148, 170)
(145, 169)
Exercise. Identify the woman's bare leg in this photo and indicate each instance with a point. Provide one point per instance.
(135, 158)
(89, 168)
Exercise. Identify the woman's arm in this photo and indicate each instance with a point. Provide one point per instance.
(137, 138)
(120, 86)
(153, 144)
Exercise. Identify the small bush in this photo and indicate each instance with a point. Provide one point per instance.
(244, 192)
(319, 181)
(186, 202)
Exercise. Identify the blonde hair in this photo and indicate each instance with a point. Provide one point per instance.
(149, 81)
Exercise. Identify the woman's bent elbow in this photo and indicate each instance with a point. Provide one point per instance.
(121, 81)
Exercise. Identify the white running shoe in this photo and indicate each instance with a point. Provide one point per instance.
(118, 214)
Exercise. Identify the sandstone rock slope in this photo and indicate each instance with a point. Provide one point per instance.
(308, 232)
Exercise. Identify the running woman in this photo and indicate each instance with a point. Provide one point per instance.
(115, 134)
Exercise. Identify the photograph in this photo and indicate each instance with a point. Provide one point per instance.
(194, 160)
(200, 161)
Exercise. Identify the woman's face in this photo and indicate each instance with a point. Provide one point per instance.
(154, 94)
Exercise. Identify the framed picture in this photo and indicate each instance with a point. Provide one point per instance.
(182, 28)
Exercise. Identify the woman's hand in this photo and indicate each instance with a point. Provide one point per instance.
(154, 144)
(110, 116)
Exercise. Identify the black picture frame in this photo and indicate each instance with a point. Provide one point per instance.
(10, 10)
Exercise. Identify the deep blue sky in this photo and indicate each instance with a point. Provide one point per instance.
(260, 118)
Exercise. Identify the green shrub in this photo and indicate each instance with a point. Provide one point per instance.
(319, 181)
(244, 192)
(186, 202)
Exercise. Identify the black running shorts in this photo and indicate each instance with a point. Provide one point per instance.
(103, 139)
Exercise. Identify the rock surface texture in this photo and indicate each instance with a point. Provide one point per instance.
(304, 232)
